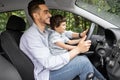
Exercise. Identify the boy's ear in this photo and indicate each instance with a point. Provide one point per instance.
(55, 27)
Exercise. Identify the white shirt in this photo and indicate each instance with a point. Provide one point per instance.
(34, 44)
(57, 37)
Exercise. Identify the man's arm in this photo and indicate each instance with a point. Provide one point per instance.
(82, 47)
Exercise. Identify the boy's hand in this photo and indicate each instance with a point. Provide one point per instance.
(84, 33)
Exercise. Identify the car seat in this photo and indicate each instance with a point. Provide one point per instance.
(10, 39)
(7, 70)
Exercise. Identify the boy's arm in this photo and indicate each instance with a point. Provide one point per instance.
(79, 35)
(65, 46)
(74, 41)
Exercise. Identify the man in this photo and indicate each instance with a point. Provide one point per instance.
(34, 43)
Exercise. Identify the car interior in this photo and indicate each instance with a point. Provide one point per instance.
(104, 52)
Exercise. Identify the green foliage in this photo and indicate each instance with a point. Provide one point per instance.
(112, 6)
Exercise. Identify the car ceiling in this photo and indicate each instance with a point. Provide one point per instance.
(6, 5)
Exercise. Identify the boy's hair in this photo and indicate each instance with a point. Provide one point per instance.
(34, 6)
(56, 20)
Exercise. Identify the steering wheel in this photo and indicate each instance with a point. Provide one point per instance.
(89, 34)
(90, 31)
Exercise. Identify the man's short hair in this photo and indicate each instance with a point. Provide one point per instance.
(34, 6)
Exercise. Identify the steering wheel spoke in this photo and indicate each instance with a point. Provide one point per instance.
(90, 31)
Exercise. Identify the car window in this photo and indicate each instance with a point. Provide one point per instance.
(74, 22)
(4, 16)
(108, 10)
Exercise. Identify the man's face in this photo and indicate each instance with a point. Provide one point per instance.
(44, 14)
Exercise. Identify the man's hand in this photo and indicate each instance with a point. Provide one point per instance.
(84, 45)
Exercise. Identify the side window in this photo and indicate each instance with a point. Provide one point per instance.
(74, 22)
(5, 16)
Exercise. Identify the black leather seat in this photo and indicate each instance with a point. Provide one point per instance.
(7, 70)
(10, 45)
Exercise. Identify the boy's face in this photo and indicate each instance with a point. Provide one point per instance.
(61, 28)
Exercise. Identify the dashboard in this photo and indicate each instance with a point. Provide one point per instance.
(105, 41)
(106, 45)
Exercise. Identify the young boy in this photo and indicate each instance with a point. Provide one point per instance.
(59, 43)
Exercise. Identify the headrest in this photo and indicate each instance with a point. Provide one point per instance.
(15, 23)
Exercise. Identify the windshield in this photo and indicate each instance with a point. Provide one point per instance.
(108, 10)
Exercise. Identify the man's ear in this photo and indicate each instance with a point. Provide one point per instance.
(35, 15)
